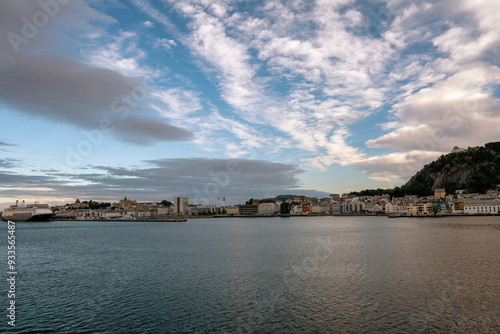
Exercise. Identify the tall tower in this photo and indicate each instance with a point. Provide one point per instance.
(181, 205)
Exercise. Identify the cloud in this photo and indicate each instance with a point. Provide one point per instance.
(226, 43)
(157, 16)
(448, 95)
(74, 90)
(122, 55)
(460, 110)
(10, 180)
(5, 143)
(199, 178)
(177, 103)
(477, 38)
(427, 71)
(9, 163)
(208, 176)
(396, 167)
(164, 43)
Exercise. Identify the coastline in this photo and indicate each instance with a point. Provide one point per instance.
(184, 219)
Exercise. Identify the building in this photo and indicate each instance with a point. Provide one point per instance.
(335, 197)
(126, 203)
(114, 214)
(411, 209)
(141, 214)
(473, 206)
(320, 209)
(232, 210)
(163, 211)
(390, 207)
(203, 209)
(336, 208)
(458, 207)
(353, 207)
(441, 193)
(424, 207)
(267, 209)
(249, 210)
(80, 205)
(296, 210)
(181, 205)
(457, 149)
(285, 208)
(377, 208)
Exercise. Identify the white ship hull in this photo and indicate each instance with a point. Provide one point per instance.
(34, 218)
(30, 212)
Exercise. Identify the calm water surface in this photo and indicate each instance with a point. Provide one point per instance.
(266, 275)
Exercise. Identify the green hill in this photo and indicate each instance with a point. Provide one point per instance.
(475, 170)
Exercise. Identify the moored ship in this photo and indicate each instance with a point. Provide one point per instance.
(28, 212)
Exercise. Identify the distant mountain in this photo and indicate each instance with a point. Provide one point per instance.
(476, 169)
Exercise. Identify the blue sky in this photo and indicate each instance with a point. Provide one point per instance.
(156, 99)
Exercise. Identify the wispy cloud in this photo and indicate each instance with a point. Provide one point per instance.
(83, 90)
(9, 163)
(415, 78)
(6, 143)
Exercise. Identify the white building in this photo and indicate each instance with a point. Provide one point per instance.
(336, 208)
(320, 208)
(267, 209)
(163, 211)
(113, 214)
(390, 207)
(472, 207)
(296, 210)
(181, 205)
(353, 207)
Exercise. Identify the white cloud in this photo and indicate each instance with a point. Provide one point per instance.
(178, 103)
(121, 55)
(311, 60)
(164, 43)
(314, 85)
(460, 110)
(396, 167)
(156, 15)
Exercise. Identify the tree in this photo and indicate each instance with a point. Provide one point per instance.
(494, 146)
(166, 203)
(267, 200)
(96, 205)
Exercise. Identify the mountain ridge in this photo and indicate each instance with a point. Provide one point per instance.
(475, 170)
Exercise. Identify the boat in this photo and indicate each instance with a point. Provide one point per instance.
(27, 212)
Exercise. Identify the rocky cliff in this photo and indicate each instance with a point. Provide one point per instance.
(477, 169)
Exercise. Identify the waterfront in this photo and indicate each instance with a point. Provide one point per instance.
(267, 275)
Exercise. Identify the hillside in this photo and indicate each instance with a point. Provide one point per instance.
(475, 170)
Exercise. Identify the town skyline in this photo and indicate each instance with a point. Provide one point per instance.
(439, 203)
(213, 99)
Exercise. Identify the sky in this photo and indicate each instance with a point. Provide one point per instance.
(238, 99)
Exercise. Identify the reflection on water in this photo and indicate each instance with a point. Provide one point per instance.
(269, 275)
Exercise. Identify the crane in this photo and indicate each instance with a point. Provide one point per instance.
(224, 200)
